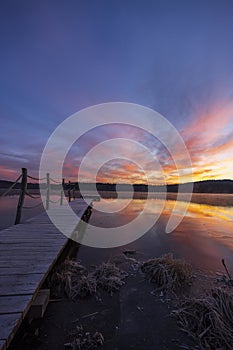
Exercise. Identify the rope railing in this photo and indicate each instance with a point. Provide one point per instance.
(54, 202)
(11, 187)
(55, 181)
(25, 192)
(32, 206)
(36, 178)
(31, 195)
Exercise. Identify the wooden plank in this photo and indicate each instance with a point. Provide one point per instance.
(36, 256)
(9, 324)
(33, 240)
(39, 305)
(26, 269)
(31, 245)
(20, 284)
(2, 345)
(4, 262)
(46, 251)
(15, 304)
(26, 236)
(26, 227)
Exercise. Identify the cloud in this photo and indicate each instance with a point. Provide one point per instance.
(209, 140)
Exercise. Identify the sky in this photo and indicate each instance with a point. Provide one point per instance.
(174, 56)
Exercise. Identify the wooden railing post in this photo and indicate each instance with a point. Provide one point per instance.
(62, 191)
(69, 192)
(74, 192)
(48, 191)
(21, 196)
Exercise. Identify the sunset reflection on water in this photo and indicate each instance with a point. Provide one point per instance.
(204, 236)
(136, 206)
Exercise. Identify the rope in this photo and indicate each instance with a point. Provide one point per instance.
(57, 182)
(31, 195)
(33, 206)
(10, 188)
(55, 201)
(36, 178)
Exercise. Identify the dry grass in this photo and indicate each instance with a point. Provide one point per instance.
(82, 286)
(209, 320)
(72, 280)
(167, 273)
(109, 277)
(85, 340)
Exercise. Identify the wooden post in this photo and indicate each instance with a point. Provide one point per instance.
(21, 196)
(62, 191)
(74, 191)
(48, 191)
(69, 192)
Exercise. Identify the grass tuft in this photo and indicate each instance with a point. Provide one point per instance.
(209, 320)
(167, 273)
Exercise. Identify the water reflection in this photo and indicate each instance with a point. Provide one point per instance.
(204, 237)
(137, 205)
(201, 210)
(8, 206)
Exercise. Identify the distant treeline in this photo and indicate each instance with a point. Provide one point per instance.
(208, 186)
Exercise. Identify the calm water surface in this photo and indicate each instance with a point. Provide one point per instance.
(204, 237)
(8, 207)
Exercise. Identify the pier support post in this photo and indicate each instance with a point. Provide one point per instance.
(48, 191)
(21, 196)
(62, 191)
(69, 192)
(73, 192)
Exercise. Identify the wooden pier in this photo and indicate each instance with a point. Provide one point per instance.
(28, 253)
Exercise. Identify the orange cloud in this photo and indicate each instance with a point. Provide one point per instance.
(209, 143)
(207, 138)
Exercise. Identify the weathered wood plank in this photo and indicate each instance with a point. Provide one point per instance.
(31, 245)
(19, 284)
(9, 323)
(2, 344)
(25, 269)
(46, 250)
(4, 262)
(36, 256)
(30, 236)
(15, 304)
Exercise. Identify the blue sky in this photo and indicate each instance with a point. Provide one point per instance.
(58, 57)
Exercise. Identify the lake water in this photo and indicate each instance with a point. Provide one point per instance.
(8, 207)
(204, 237)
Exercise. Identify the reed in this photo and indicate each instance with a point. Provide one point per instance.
(109, 277)
(81, 340)
(72, 280)
(209, 320)
(167, 273)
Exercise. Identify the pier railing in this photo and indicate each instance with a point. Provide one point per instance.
(25, 192)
